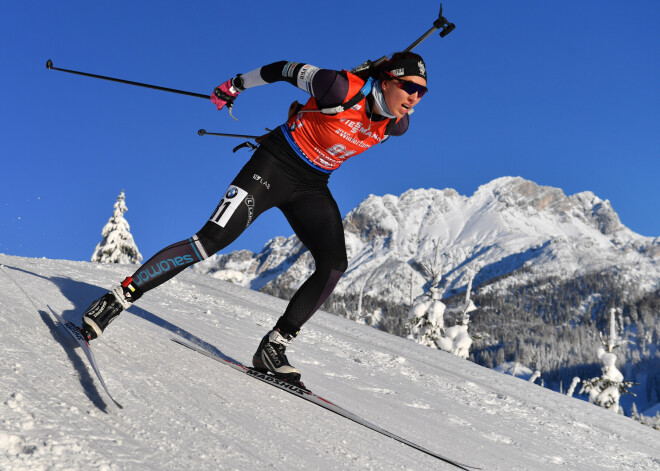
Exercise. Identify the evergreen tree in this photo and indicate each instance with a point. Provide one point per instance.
(117, 245)
(571, 389)
(458, 334)
(606, 390)
(634, 414)
(536, 375)
(426, 324)
(426, 321)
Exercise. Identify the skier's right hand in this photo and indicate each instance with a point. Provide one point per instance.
(224, 94)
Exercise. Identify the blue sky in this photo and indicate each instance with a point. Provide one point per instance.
(562, 93)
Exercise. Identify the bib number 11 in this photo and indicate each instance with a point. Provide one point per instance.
(228, 205)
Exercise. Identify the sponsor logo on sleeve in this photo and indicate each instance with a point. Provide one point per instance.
(289, 69)
(305, 76)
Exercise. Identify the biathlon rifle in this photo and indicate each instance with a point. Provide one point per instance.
(441, 24)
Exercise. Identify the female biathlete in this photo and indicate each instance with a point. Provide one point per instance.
(290, 171)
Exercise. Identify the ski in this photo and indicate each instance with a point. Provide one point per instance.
(308, 395)
(74, 331)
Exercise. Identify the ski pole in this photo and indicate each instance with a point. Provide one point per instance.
(247, 144)
(203, 132)
(49, 65)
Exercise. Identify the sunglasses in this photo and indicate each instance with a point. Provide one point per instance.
(409, 87)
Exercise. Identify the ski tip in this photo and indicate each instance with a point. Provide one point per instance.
(49, 64)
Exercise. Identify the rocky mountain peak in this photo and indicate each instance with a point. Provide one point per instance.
(508, 224)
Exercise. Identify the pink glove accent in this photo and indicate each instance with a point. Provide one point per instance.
(223, 94)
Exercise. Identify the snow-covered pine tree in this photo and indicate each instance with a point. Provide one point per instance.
(426, 323)
(536, 375)
(606, 390)
(634, 413)
(458, 334)
(117, 245)
(574, 383)
(656, 421)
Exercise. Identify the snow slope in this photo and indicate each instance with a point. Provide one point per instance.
(182, 409)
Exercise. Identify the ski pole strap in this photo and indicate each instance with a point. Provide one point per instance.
(364, 91)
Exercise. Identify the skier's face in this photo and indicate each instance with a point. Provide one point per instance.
(397, 99)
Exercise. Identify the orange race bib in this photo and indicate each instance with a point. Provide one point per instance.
(326, 141)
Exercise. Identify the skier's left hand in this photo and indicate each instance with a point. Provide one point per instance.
(224, 94)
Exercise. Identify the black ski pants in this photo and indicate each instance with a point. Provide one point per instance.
(267, 180)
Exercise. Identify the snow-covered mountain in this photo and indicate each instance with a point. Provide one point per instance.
(185, 411)
(509, 226)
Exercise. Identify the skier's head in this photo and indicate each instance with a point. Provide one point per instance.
(404, 64)
(403, 81)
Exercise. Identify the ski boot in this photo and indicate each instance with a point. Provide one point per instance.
(104, 310)
(270, 357)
